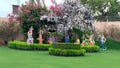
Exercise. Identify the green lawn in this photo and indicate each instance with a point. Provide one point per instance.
(10, 58)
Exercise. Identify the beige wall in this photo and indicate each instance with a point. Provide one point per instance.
(101, 26)
(3, 19)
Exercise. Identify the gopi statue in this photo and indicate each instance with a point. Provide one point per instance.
(30, 37)
(40, 39)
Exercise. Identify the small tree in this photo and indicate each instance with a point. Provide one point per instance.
(10, 30)
(29, 15)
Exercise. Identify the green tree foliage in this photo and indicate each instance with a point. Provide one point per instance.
(97, 5)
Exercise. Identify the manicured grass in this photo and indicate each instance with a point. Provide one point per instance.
(10, 58)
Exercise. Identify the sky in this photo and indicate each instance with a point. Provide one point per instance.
(48, 2)
(6, 5)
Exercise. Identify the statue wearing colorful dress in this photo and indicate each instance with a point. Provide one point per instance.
(92, 42)
(30, 37)
(66, 39)
(77, 41)
(50, 41)
(40, 39)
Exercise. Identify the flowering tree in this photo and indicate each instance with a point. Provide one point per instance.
(30, 14)
(72, 14)
(9, 30)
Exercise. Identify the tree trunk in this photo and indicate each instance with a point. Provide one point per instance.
(5, 42)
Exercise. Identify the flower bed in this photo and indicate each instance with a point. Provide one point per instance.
(23, 46)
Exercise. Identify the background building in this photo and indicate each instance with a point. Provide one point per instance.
(9, 6)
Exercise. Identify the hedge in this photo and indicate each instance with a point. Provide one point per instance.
(23, 46)
(66, 46)
(94, 48)
(66, 52)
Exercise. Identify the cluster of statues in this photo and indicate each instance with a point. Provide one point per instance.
(89, 41)
(40, 38)
(52, 39)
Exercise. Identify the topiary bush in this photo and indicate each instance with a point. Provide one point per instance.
(66, 46)
(66, 52)
(94, 48)
(66, 49)
(23, 46)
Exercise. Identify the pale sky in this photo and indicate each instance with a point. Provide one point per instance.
(48, 2)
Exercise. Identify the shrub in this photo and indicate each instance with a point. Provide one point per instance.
(23, 46)
(73, 39)
(78, 32)
(66, 49)
(66, 52)
(66, 46)
(94, 48)
(9, 31)
(58, 36)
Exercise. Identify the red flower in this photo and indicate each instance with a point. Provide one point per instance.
(8, 15)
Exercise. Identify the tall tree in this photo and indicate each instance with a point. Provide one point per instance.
(72, 14)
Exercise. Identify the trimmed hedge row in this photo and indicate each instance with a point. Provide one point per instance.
(94, 48)
(66, 46)
(23, 46)
(66, 52)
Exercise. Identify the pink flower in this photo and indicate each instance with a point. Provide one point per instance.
(26, 3)
(52, 7)
(57, 9)
(8, 15)
(26, 11)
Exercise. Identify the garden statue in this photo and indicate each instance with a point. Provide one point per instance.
(77, 41)
(83, 43)
(66, 39)
(102, 42)
(53, 39)
(50, 41)
(92, 42)
(40, 39)
(30, 38)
